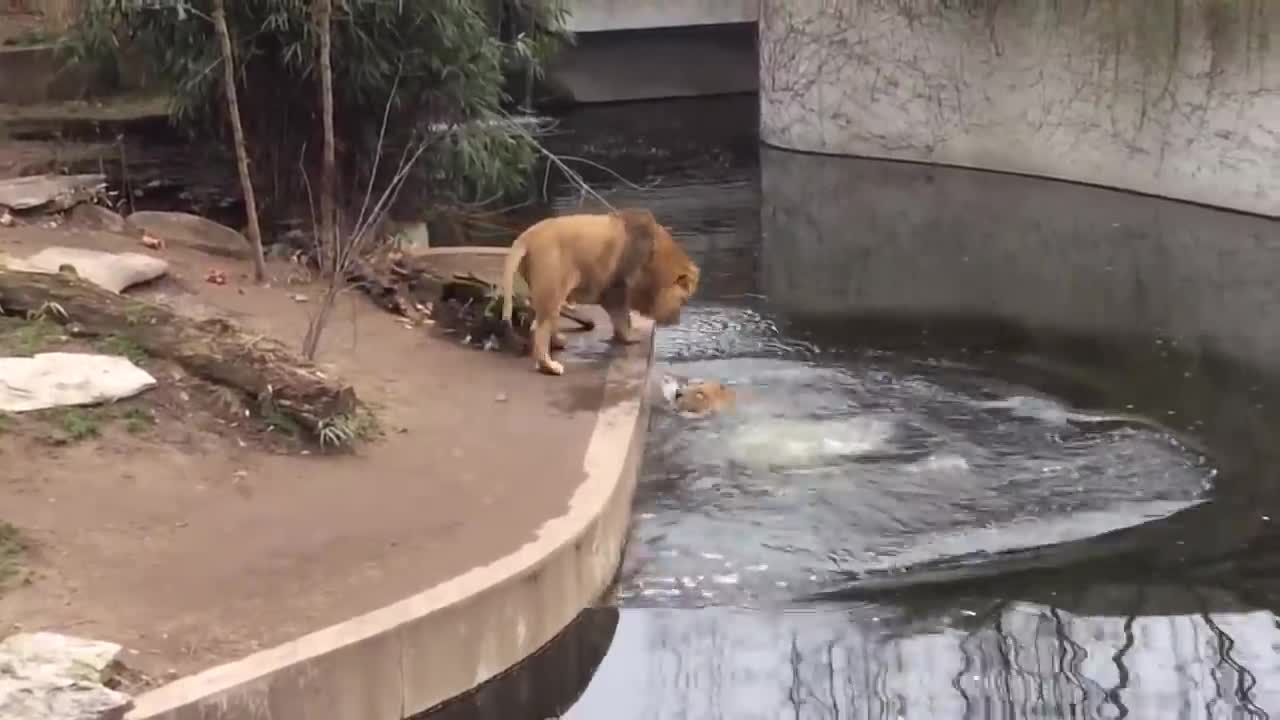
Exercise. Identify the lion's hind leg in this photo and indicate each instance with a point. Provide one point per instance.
(547, 298)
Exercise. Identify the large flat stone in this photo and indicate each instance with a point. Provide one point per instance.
(51, 192)
(46, 676)
(111, 271)
(96, 217)
(61, 379)
(193, 231)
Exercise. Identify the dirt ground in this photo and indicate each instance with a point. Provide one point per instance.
(172, 525)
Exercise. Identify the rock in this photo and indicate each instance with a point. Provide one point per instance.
(58, 379)
(112, 271)
(193, 231)
(52, 193)
(96, 217)
(411, 238)
(46, 676)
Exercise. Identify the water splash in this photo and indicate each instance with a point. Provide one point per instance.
(835, 462)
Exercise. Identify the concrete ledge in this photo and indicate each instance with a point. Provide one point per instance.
(408, 657)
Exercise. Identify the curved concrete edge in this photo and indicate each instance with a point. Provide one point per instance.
(414, 654)
(1034, 173)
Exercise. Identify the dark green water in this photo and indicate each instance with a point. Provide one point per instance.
(918, 516)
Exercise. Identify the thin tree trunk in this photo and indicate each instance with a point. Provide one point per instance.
(242, 152)
(328, 220)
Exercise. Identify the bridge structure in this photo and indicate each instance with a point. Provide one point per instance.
(1185, 106)
(651, 49)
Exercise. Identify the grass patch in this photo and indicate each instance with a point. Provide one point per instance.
(11, 551)
(28, 337)
(6, 422)
(138, 420)
(123, 346)
(279, 422)
(347, 430)
(77, 424)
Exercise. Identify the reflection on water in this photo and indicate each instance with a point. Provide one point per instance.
(992, 660)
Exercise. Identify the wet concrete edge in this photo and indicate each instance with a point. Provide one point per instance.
(412, 655)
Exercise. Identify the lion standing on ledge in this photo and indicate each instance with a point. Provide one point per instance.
(624, 260)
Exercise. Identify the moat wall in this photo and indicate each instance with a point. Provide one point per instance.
(1179, 98)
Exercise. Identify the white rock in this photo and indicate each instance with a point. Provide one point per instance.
(112, 271)
(59, 379)
(193, 231)
(46, 676)
(59, 192)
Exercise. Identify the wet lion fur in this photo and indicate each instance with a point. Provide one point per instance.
(700, 397)
(623, 260)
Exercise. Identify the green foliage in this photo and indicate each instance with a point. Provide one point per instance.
(282, 423)
(138, 420)
(344, 431)
(124, 347)
(443, 63)
(28, 337)
(77, 424)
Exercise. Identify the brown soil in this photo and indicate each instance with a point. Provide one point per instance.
(192, 536)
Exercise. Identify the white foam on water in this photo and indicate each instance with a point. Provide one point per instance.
(799, 442)
(1045, 410)
(864, 467)
(939, 463)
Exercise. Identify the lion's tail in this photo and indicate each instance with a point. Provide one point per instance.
(509, 268)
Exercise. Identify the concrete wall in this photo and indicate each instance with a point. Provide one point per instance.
(18, 17)
(1178, 98)
(596, 15)
(41, 73)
